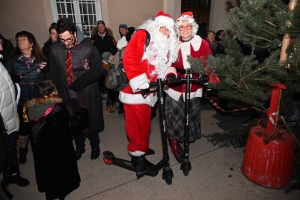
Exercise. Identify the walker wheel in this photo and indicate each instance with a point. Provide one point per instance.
(108, 157)
(167, 175)
(186, 167)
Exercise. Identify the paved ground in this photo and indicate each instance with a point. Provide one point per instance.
(216, 172)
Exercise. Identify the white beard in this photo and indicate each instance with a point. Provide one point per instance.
(161, 51)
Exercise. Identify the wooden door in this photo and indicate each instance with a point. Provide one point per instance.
(200, 9)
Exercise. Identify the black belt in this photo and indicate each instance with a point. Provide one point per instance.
(183, 71)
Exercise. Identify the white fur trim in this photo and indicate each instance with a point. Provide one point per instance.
(137, 99)
(196, 42)
(165, 21)
(176, 95)
(136, 153)
(189, 18)
(186, 49)
(137, 81)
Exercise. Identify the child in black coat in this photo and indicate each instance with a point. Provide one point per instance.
(54, 155)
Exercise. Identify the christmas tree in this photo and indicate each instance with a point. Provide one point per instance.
(263, 55)
(264, 51)
(259, 25)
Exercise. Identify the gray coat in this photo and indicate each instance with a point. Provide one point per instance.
(89, 94)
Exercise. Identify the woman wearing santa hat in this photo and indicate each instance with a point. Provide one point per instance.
(193, 45)
(144, 64)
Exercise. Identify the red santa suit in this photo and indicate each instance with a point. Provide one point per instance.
(137, 109)
(142, 66)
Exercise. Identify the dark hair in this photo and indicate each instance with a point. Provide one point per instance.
(202, 32)
(65, 24)
(43, 88)
(8, 48)
(211, 31)
(52, 26)
(36, 49)
(218, 33)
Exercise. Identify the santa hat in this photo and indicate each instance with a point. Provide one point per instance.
(186, 16)
(164, 19)
(122, 43)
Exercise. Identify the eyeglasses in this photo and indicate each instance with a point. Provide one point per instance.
(188, 27)
(68, 40)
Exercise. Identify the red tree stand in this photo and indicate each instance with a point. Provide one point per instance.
(269, 164)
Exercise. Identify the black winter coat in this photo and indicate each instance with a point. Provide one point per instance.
(107, 44)
(17, 67)
(89, 93)
(54, 155)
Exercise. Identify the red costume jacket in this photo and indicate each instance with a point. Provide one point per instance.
(196, 47)
(138, 71)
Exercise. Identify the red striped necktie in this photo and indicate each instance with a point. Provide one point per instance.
(69, 68)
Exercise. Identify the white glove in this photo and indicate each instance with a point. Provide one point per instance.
(144, 86)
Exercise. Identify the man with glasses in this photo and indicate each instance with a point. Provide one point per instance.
(75, 68)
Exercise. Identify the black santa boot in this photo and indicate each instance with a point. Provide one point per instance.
(143, 166)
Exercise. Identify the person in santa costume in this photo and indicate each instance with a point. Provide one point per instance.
(144, 64)
(193, 45)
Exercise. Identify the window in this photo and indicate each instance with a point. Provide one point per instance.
(84, 13)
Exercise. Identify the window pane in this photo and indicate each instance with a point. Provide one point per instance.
(70, 9)
(87, 16)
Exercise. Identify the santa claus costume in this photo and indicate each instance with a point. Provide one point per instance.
(142, 66)
(193, 45)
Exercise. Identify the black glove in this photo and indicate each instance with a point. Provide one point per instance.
(171, 77)
(80, 120)
(145, 93)
(75, 85)
(203, 78)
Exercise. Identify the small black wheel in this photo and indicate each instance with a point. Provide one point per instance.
(108, 157)
(186, 167)
(167, 176)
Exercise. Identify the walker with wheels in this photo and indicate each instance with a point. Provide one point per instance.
(167, 175)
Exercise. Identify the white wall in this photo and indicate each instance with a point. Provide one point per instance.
(219, 13)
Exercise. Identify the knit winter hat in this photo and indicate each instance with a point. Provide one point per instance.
(164, 19)
(101, 22)
(105, 56)
(122, 43)
(123, 26)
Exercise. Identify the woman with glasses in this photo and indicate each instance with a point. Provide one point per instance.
(27, 56)
(193, 45)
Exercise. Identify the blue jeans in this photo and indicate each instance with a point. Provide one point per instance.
(93, 138)
(13, 146)
(80, 138)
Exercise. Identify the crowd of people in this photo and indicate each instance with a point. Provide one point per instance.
(56, 91)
